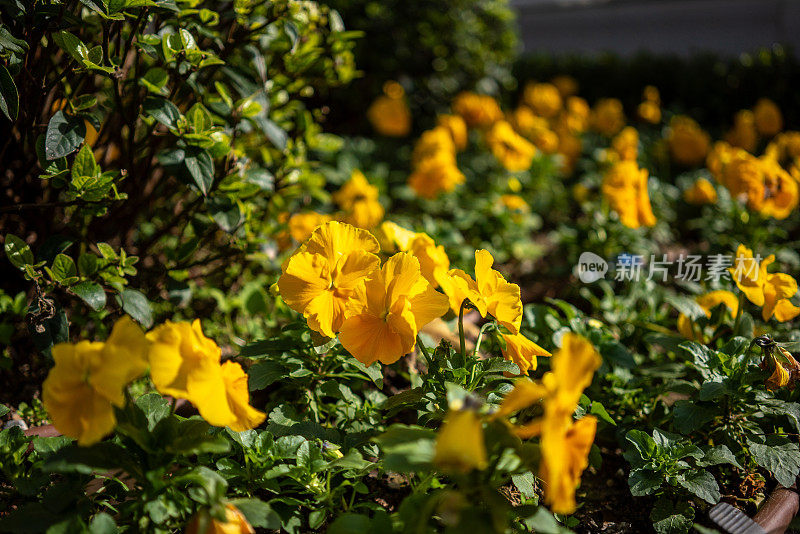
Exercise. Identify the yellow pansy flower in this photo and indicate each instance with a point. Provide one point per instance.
(607, 116)
(489, 292)
(564, 444)
(701, 192)
(389, 113)
(185, 364)
(359, 200)
(514, 203)
(301, 225)
(460, 446)
(512, 150)
(235, 523)
(536, 129)
(320, 278)
(625, 189)
(434, 143)
(543, 98)
(433, 260)
(522, 351)
(626, 144)
(743, 134)
(688, 143)
(768, 117)
(566, 85)
(435, 175)
(457, 128)
(388, 311)
(478, 111)
(650, 108)
(89, 379)
(708, 301)
(771, 291)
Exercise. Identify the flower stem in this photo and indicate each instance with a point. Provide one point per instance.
(738, 314)
(461, 331)
(424, 349)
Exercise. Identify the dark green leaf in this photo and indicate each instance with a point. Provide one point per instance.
(137, 306)
(162, 110)
(64, 135)
(18, 251)
(258, 513)
(702, 484)
(9, 97)
(92, 294)
(669, 518)
(201, 168)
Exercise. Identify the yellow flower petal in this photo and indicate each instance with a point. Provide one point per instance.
(522, 351)
(246, 417)
(122, 359)
(525, 393)
(459, 445)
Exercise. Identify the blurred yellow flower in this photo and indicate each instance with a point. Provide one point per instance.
(359, 200)
(489, 292)
(301, 225)
(435, 175)
(626, 144)
(389, 113)
(388, 311)
(522, 351)
(512, 150)
(566, 85)
(89, 379)
(459, 445)
(688, 143)
(743, 134)
(565, 447)
(625, 189)
(514, 203)
(570, 147)
(322, 275)
(536, 129)
(235, 523)
(762, 183)
(575, 117)
(768, 117)
(607, 116)
(543, 98)
(185, 364)
(457, 128)
(771, 291)
(650, 108)
(701, 192)
(708, 301)
(434, 143)
(784, 148)
(478, 111)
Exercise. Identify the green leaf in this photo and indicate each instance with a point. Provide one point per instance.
(265, 373)
(258, 513)
(4, 410)
(543, 522)
(92, 294)
(199, 118)
(64, 269)
(107, 251)
(72, 45)
(780, 457)
(9, 97)
(669, 518)
(225, 212)
(720, 454)
(643, 481)
(155, 80)
(137, 306)
(18, 251)
(407, 448)
(702, 484)
(201, 168)
(162, 110)
(48, 330)
(103, 523)
(64, 134)
(87, 264)
(642, 442)
(84, 164)
(689, 416)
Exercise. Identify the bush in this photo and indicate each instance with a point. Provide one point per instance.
(151, 146)
(435, 49)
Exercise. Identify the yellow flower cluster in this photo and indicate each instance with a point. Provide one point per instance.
(771, 291)
(625, 189)
(762, 183)
(89, 378)
(337, 282)
(565, 444)
(389, 113)
(434, 158)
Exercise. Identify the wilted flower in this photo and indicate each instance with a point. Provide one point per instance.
(320, 277)
(478, 111)
(768, 117)
(701, 192)
(389, 113)
(543, 98)
(513, 151)
(625, 189)
(359, 200)
(89, 379)
(607, 116)
(388, 311)
(688, 143)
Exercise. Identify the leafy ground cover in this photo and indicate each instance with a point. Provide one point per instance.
(508, 310)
